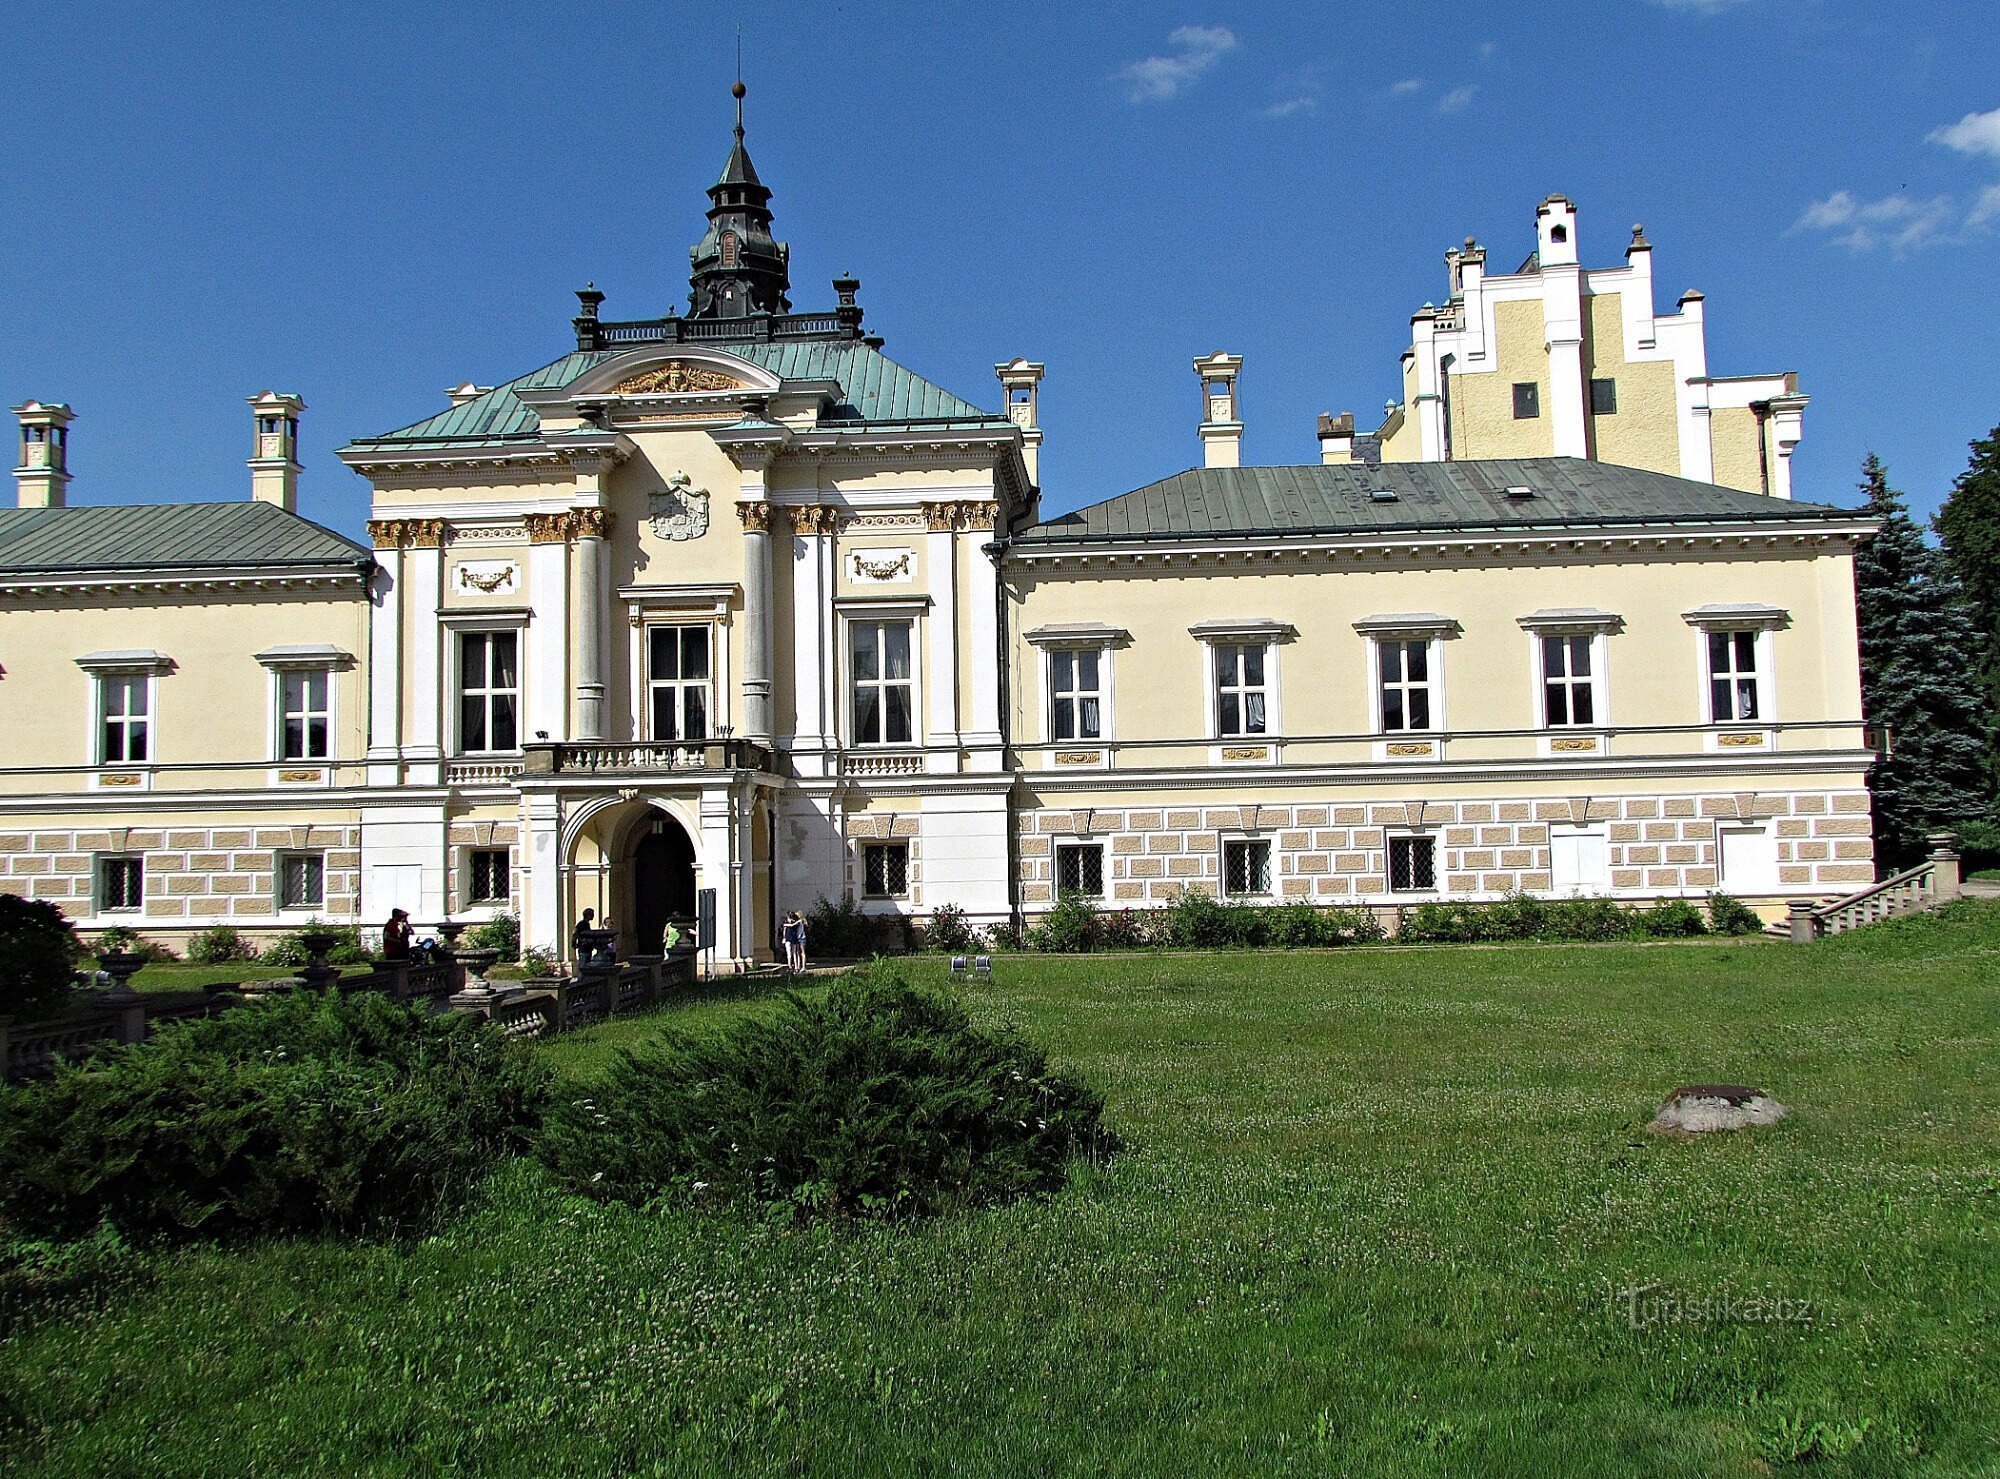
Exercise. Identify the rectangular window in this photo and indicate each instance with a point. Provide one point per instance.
(304, 717)
(884, 682)
(121, 883)
(1732, 676)
(489, 686)
(124, 731)
(1246, 867)
(1076, 694)
(1405, 670)
(1748, 859)
(1527, 400)
(885, 870)
(678, 678)
(490, 881)
(1412, 864)
(1604, 397)
(1242, 692)
(301, 880)
(1567, 693)
(1080, 869)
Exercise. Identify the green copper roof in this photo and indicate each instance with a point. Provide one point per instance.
(874, 388)
(154, 536)
(1344, 499)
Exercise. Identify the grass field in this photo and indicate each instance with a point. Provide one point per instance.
(1378, 1214)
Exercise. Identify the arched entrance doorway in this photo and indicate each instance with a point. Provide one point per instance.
(662, 882)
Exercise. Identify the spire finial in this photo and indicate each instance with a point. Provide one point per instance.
(739, 89)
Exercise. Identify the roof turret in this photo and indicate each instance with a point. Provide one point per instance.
(739, 269)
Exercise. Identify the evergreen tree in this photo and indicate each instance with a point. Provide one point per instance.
(1969, 526)
(1920, 654)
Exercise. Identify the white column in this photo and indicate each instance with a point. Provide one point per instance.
(385, 656)
(424, 564)
(756, 518)
(982, 627)
(542, 924)
(717, 845)
(941, 561)
(547, 674)
(812, 528)
(1562, 320)
(592, 562)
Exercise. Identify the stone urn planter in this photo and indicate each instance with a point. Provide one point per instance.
(121, 966)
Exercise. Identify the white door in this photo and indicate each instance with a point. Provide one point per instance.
(1749, 859)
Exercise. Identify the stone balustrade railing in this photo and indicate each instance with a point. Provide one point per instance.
(1932, 884)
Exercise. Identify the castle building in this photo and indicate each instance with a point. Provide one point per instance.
(725, 611)
(1559, 360)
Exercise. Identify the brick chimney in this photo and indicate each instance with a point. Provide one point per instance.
(42, 479)
(1336, 438)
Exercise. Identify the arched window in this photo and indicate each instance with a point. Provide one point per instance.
(729, 249)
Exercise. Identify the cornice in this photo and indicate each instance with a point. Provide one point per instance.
(350, 581)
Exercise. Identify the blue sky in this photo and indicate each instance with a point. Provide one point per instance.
(365, 204)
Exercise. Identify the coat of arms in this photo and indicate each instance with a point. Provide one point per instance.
(680, 510)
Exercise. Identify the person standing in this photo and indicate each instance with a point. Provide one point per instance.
(578, 947)
(396, 935)
(795, 942)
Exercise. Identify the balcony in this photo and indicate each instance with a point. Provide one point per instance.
(641, 757)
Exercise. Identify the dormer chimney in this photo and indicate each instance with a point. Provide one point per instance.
(1336, 438)
(1221, 425)
(274, 460)
(42, 479)
(1020, 382)
(1555, 226)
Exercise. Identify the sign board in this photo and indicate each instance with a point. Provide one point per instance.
(704, 909)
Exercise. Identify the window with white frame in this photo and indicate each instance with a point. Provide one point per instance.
(305, 715)
(1734, 683)
(1403, 672)
(1569, 679)
(121, 884)
(1080, 869)
(1242, 688)
(1412, 863)
(1246, 866)
(885, 870)
(489, 875)
(489, 689)
(301, 880)
(882, 681)
(124, 711)
(679, 681)
(1076, 693)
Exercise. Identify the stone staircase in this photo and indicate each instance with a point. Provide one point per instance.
(1932, 884)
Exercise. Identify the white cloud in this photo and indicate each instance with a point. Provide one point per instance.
(1457, 100)
(1291, 106)
(1902, 223)
(1407, 86)
(1155, 79)
(1700, 7)
(1985, 210)
(1975, 133)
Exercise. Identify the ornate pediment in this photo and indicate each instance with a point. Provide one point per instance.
(678, 377)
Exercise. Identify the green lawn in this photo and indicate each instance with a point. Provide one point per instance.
(1376, 1215)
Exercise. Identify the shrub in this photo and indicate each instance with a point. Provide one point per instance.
(219, 945)
(1349, 926)
(38, 956)
(310, 1111)
(125, 939)
(1728, 915)
(1124, 929)
(501, 933)
(1293, 926)
(536, 962)
(1672, 919)
(1194, 921)
(1070, 928)
(1585, 920)
(874, 1100)
(1444, 922)
(1007, 934)
(839, 929)
(949, 930)
(291, 949)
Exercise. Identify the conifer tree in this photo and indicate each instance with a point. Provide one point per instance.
(1969, 526)
(1920, 655)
